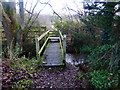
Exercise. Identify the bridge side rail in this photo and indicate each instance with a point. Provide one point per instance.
(53, 33)
(63, 44)
(37, 41)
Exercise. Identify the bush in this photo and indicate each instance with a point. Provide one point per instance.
(103, 79)
(82, 41)
(19, 73)
(105, 57)
(94, 58)
(79, 76)
(104, 66)
(25, 64)
(82, 38)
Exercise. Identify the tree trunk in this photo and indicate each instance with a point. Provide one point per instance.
(9, 24)
(21, 12)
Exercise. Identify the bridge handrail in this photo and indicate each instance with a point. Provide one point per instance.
(61, 36)
(43, 35)
(37, 40)
(63, 44)
(40, 49)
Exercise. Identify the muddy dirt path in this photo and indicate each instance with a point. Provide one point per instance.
(58, 77)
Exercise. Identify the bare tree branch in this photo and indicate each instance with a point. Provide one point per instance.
(35, 6)
(31, 5)
(31, 14)
(26, 3)
(69, 13)
(28, 11)
(75, 11)
(54, 12)
(36, 17)
(46, 3)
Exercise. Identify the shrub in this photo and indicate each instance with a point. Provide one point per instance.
(25, 64)
(105, 57)
(103, 79)
(23, 72)
(79, 76)
(104, 66)
(82, 41)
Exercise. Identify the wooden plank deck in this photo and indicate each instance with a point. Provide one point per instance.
(52, 54)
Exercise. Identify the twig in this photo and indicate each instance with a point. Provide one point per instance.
(26, 3)
(37, 16)
(31, 6)
(39, 12)
(107, 52)
(32, 13)
(28, 11)
(54, 12)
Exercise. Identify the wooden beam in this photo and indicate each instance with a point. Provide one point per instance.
(61, 36)
(64, 46)
(37, 47)
(61, 46)
(43, 46)
(43, 35)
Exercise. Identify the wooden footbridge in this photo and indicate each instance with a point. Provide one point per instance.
(51, 46)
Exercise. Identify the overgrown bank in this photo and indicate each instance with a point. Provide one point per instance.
(98, 35)
(19, 73)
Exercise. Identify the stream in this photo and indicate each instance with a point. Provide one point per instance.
(75, 59)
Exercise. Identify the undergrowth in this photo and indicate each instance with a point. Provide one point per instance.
(104, 69)
(20, 73)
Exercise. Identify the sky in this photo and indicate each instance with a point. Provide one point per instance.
(58, 6)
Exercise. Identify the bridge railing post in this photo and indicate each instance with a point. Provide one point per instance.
(64, 45)
(37, 47)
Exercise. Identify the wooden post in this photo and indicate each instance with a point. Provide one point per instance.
(48, 37)
(37, 47)
(41, 49)
(64, 46)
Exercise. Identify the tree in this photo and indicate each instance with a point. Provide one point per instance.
(10, 24)
(15, 32)
(103, 13)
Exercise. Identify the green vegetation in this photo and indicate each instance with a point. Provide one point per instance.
(97, 34)
(20, 73)
(103, 66)
(25, 64)
(79, 76)
(102, 79)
